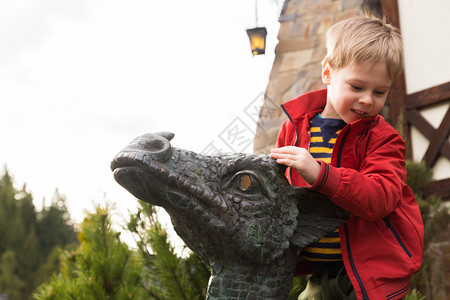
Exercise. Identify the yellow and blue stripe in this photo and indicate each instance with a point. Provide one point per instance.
(323, 135)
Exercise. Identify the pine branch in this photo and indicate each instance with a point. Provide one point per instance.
(92, 289)
(119, 278)
(150, 293)
(106, 284)
(178, 283)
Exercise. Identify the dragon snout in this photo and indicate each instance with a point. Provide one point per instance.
(155, 145)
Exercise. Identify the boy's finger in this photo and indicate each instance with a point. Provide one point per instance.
(275, 155)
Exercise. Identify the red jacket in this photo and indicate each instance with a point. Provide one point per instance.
(382, 241)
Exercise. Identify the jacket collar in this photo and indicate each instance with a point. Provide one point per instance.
(310, 104)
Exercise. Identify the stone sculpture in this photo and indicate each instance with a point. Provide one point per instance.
(236, 211)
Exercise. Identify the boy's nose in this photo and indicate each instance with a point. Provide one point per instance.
(366, 98)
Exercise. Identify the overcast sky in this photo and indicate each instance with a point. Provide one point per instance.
(80, 79)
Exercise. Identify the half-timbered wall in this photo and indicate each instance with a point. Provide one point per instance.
(421, 98)
(427, 65)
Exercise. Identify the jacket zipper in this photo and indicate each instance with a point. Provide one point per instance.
(396, 235)
(341, 147)
(352, 263)
(349, 250)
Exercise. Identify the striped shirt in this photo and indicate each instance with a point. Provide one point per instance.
(323, 134)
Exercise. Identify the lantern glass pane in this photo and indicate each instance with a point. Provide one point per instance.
(257, 38)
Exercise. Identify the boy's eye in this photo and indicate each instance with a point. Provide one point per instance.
(356, 88)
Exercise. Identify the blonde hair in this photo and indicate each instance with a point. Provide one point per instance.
(364, 39)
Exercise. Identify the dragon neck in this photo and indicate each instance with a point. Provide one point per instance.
(262, 282)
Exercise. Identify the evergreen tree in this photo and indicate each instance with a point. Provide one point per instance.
(16, 234)
(166, 275)
(102, 267)
(11, 226)
(24, 235)
(50, 266)
(55, 227)
(10, 282)
(436, 221)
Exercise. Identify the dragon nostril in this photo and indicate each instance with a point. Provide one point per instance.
(154, 145)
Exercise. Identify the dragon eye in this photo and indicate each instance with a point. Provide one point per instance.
(245, 182)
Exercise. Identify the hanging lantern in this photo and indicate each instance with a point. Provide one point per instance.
(257, 38)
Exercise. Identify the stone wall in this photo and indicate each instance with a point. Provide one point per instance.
(300, 50)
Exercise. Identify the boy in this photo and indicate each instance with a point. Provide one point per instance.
(334, 142)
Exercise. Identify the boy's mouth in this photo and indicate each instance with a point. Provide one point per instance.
(359, 112)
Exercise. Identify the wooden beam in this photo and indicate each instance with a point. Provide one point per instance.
(422, 125)
(440, 136)
(397, 93)
(397, 111)
(390, 11)
(434, 95)
(440, 188)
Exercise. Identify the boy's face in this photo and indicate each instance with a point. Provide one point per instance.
(355, 92)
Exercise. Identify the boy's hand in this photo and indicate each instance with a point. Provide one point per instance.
(299, 159)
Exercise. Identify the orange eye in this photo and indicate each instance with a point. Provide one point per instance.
(246, 182)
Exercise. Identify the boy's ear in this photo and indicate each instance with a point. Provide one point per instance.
(326, 72)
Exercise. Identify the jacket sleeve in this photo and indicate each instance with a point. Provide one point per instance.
(376, 189)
